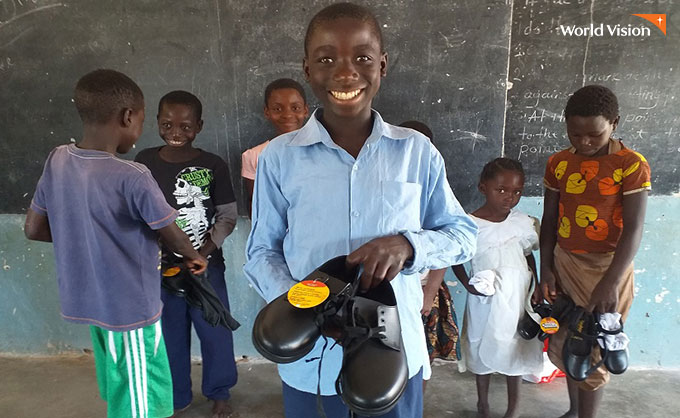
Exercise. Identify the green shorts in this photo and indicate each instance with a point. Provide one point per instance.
(133, 372)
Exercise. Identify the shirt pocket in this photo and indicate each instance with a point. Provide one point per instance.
(400, 206)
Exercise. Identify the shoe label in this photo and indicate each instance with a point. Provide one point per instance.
(308, 294)
(171, 271)
(549, 325)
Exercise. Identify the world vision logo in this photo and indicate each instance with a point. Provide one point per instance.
(658, 20)
(618, 30)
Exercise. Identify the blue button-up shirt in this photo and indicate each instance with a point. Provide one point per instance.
(314, 201)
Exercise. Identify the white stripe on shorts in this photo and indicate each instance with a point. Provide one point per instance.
(142, 356)
(138, 372)
(159, 334)
(112, 348)
(129, 369)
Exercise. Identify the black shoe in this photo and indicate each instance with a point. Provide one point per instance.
(374, 370)
(197, 290)
(616, 361)
(559, 311)
(579, 345)
(528, 328)
(284, 333)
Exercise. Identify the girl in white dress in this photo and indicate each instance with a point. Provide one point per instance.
(499, 283)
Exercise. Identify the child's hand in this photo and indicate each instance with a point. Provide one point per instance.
(427, 305)
(197, 265)
(383, 258)
(471, 289)
(537, 296)
(548, 286)
(605, 298)
(207, 248)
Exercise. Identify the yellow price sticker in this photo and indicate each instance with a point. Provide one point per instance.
(549, 325)
(308, 294)
(171, 271)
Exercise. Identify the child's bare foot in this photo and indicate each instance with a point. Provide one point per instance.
(514, 413)
(483, 411)
(570, 414)
(179, 411)
(221, 409)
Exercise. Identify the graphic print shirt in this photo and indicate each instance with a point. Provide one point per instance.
(194, 188)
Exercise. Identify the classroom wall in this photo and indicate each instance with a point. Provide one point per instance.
(30, 311)
(478, 72)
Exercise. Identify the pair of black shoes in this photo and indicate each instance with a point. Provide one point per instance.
(528, 328)
(584, 333)
(374, 371)
(197, 290)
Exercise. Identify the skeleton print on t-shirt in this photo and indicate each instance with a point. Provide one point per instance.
(191, 189)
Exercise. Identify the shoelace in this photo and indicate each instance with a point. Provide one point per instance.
(330, 308)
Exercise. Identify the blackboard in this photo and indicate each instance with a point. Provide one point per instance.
(547, 66)
(449, 63)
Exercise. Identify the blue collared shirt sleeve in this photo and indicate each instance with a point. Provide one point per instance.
(448, 235)
(266, 267)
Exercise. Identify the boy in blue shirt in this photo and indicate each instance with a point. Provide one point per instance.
(350, 183)
(197, 184)
(104, 216)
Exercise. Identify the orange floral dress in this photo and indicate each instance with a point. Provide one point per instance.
(591, 195)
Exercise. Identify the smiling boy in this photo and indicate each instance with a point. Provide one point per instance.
(379, 193)
(197, 184)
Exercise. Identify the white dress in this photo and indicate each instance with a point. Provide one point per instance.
(490, 341)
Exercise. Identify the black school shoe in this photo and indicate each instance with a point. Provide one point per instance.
(616, 361)
(197, 290)
(284, 333)
(374, 370)
(527, 327)
(583, 332)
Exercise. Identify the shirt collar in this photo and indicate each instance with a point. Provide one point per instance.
(313, 131)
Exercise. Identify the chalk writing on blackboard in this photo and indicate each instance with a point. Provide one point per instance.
(12, 10)
(6, 63)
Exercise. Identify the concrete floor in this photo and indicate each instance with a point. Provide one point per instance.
(65, 387)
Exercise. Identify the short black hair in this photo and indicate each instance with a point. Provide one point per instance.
(343, 10)
(283, 83)
(184, 98)
(101, 94)
(493, 167)
(593, 100)
(418, 126)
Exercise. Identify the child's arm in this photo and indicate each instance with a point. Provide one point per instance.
(548, 240)
(434, 280)
(531, 262)
(37, 227)
(447, 235)
(605, 296)
(463, 277)
(266, 267)
(225, 221)
(177, 241)
(250, 185)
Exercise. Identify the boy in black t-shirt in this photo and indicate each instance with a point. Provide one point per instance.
(197, 184)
